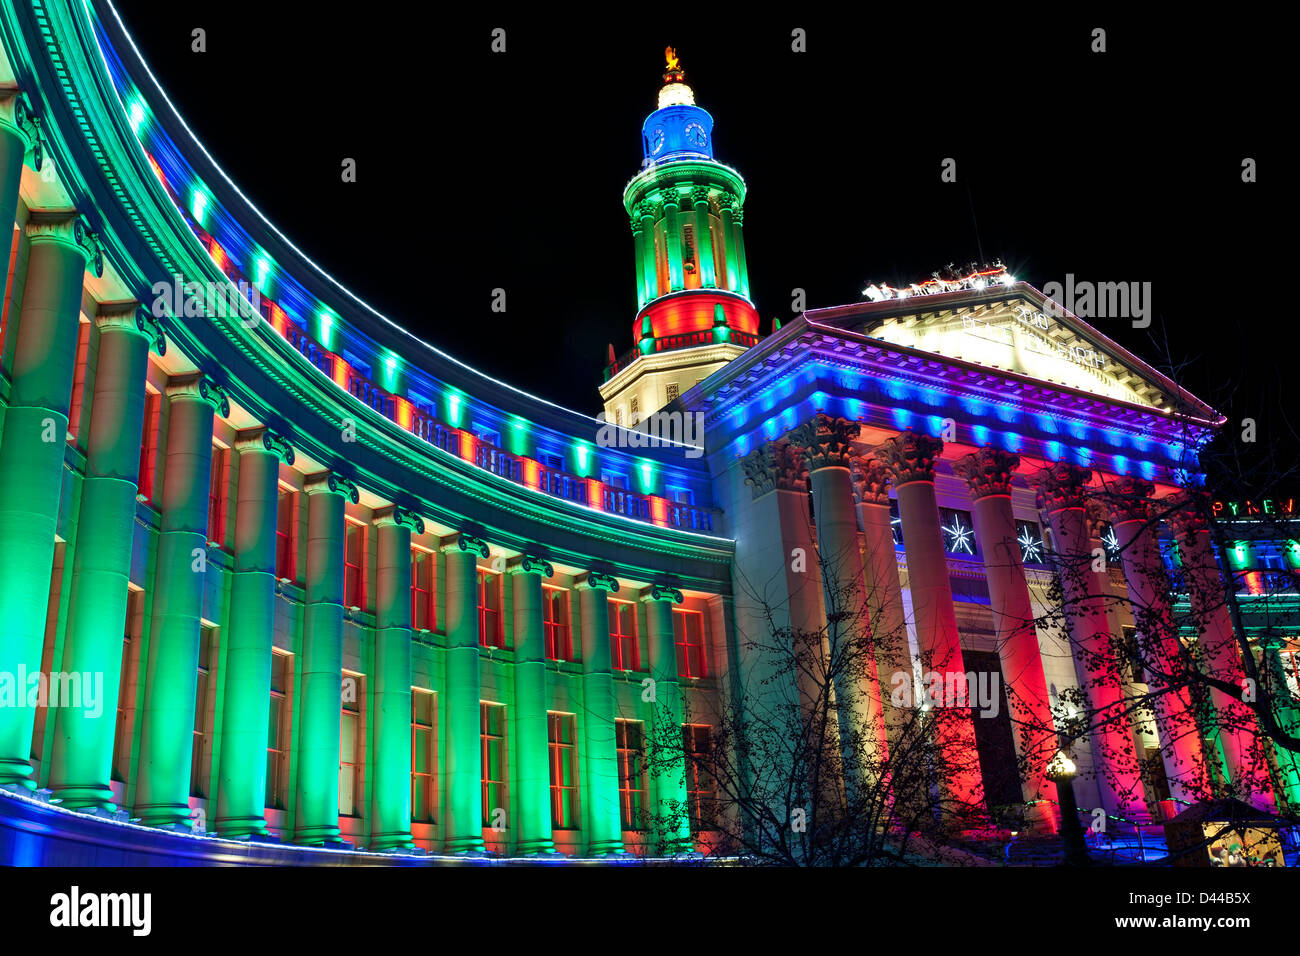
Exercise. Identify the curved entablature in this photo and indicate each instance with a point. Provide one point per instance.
(481, 454)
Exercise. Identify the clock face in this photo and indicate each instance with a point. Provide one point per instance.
(696, 136)
(656, 141)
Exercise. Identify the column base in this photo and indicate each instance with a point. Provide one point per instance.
(244, 828)
(607, 848)
(391, 842)
(462, 846)
(165, 816)
(89, 797)
(318, 836)
(16, 774)
(536, 848)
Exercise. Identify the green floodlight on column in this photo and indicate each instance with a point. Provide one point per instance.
(647, 475)
(582, 458)
(325, 328)
(199, 206)
(137, 115)
(455, 408)
(517, 438)
(262, 275)
(392, 372)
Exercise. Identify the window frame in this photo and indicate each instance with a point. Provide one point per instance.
(684, 646)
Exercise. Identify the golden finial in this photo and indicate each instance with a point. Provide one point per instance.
(674, 64)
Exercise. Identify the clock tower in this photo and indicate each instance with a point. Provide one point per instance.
(686, 210)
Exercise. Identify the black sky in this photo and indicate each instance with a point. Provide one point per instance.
(479, 170)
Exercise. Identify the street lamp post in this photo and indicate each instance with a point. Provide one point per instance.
(1061, 771)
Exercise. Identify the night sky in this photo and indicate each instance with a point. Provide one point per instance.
(479, 170)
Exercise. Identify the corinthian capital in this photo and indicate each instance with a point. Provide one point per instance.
(825, 442)
(910, 457)
(1187, 513)
(774, 466)
(870, 479)
(1060, 486)
(987, 471)
(1129, 498)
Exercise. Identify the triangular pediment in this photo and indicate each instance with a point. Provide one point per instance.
(1021, 331)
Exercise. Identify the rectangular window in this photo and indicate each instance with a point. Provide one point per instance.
(1133, 653)
(424, 735)
(493, 736)
(700, 799)
(688, 633)
(198, 786)
(423, 592)
(149, 444)
(555, 624)
(489, 609)
(561, 735)
(354, 557)
(277, 737)
(217, 486)
(78, 399)
(350, 738)
(633, 793)
(122, 730)
(622, 636)
(286, 525)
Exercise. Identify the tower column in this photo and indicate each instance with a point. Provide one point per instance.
(316, 801)
(729, 234)
(1236, 729)
(703, 236)
(1148, 588)
(884, 592)
(639, 243)
(673, 239)
(533, 768)
(1061, 498)
(463, 830)
(668, 716)
(738, 234)
(647, 267)
(81, 762)
(246, 694)
(31, 466)
(600, 753)
(163, 785)
(390, 790)
(826, 444)
(13, 147)
(989, 473)
(911, 459)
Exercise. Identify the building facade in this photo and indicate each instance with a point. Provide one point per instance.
(232, 489)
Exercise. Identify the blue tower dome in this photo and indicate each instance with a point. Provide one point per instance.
(678, 129)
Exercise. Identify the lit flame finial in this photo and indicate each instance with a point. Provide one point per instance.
(674, 92)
